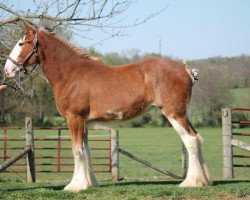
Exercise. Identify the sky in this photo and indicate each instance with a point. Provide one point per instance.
(190, 29)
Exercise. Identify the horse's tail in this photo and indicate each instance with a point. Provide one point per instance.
(193, 73)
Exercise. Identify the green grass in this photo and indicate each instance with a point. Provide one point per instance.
(161, 146)
(128, 190)
(241, 97)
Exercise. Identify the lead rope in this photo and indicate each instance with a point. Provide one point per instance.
(33, 68)
(19, 76)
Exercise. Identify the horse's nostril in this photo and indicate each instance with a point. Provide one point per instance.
(7, 73)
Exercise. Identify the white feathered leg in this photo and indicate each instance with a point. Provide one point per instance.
(83, 176)
(198, 174)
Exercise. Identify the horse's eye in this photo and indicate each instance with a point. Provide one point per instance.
(21, 43)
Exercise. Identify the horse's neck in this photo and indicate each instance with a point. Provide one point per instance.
(56, 59)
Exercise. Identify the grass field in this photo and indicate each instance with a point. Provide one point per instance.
(159, 145)
(127, 190)
(241, 97)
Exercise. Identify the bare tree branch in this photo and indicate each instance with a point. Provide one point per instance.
(100, 11)
(8, 10)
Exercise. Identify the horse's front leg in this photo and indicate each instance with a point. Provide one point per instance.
(83, 176)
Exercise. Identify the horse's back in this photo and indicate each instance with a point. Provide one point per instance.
(158, 68)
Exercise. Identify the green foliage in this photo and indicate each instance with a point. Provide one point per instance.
(115, 59)
(241, 97)
(38, 103)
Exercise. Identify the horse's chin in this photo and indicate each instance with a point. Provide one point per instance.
(11, 75)
(11, 72)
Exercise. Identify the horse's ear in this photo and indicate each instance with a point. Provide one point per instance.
(28, 29)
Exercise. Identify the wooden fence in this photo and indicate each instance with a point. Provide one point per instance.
(53, 154)
(28, 151)
(229, 143)
(32, 167)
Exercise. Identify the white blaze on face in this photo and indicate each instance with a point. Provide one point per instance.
(10, 68)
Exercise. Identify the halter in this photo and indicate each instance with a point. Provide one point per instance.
(34, 51)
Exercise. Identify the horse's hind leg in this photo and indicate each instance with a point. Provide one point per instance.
(198, 174)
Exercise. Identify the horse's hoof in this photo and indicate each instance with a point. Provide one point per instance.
(75, 187)
(189, 183)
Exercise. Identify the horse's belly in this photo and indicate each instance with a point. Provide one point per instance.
(104, 125)
(111, 119)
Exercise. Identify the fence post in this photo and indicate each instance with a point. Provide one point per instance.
(184, 161)
(4, 144)
(59, 151)
(114, 154)
(30, 158)
(227, 146)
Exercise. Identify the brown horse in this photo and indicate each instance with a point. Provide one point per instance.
(87, 92)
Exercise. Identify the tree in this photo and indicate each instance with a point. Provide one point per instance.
(210, 93)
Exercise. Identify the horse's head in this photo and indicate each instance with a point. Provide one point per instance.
(23, 54)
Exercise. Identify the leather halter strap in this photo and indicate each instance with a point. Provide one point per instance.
(34, 51)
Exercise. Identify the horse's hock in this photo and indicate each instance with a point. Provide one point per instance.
(229, 143)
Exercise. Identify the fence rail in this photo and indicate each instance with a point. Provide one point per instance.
(56, 158)
(106, 163)
(59, 149)
(13, 159)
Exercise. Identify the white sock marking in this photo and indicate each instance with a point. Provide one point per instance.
(83, 176)
(198, 174)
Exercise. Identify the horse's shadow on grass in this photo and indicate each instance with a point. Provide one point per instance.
(128, 183)
(175, 182)
(60, 187)
(226, 182)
